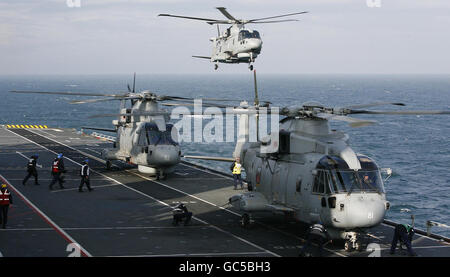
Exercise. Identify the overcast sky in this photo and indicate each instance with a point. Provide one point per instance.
(118, 36)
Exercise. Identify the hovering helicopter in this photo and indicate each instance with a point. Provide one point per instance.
(144, 136)
(236, 44)
(313, 175)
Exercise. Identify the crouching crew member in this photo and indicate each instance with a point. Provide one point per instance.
(5, 201)
(85, 173)
(317, 234)
(32, 171)
(404, 234)
(57, 171)
(181, 212)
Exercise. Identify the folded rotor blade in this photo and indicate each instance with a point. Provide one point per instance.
(277, 16)
(354, 122)
(68, 93)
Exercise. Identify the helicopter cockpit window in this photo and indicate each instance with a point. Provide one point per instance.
(255, 34)
(166, 136)
(244, 34)
(344, 180)
(156, 137)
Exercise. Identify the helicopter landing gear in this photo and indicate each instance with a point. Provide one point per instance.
(216, 66)
(245, 220)
(250, 67)
(108, 165)
(353, 242)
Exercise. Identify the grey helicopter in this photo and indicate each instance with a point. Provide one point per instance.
(143, 132)
(236, 44)
(312, 174)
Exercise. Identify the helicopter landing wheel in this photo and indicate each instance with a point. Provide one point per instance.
(245, 220)
(216, 67)
(250, 67)
(348, 246)
(108, 165)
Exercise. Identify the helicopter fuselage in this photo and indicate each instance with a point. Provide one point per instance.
(314, 177)
(146, 141)
(236, 45)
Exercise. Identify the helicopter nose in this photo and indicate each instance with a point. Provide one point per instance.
(362, 211)
(255, 44)
(164, 155)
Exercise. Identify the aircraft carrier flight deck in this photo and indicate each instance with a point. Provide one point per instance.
(130, 213)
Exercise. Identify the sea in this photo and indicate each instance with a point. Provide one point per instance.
(415, 147)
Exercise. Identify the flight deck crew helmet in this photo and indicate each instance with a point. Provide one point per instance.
(3, 186)
(60, 156)
(86, 161)
(35, 156)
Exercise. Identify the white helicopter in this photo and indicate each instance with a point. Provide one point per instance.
(313, 175)
(236, 44)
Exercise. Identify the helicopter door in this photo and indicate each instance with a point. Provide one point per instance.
(279, 183)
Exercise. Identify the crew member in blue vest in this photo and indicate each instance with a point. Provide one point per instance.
(404, 234)
(31, 169)
(85, 172)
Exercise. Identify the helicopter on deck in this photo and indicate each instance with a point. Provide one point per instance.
(236, 44)
(309, 172)
(144, 136)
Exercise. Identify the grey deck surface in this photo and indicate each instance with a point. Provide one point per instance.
(129, 213)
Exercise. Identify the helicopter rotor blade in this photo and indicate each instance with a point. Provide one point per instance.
(134, 83)
(190, 17)
(373, 105)
(130, 114)
(398, 112)
(274, 21)
(226, 13)
(271, 17)
(193, 104)
(102, 100)
(68, 93)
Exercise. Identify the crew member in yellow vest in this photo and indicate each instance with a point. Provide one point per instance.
(236, 167)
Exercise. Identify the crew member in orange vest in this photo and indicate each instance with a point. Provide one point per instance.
(5, 201)
(57, 170)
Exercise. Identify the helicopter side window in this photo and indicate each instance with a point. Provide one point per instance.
(319, 184)
(142, 139)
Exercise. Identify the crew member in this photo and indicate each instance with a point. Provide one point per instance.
(236, 167)
(5, 201)
(85, 173)
(31, 169)
(317, 234)
(57, 170)
(180, 213)
(404, 234)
